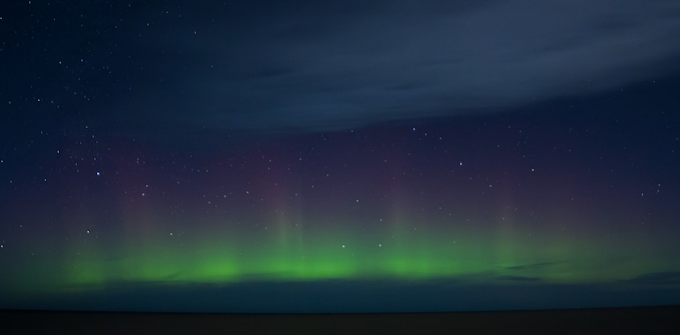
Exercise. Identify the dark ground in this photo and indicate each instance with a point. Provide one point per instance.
(645, 320)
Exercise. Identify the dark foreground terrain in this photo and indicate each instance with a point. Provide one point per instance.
(643, 320)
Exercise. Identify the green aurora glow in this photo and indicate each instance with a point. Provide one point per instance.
(293, 253)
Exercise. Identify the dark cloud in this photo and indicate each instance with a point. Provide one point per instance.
(338, 296)
(310, 66)
(534, 266)
(519, 279)
(655, 278)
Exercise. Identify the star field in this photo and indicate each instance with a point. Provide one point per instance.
(234, 157)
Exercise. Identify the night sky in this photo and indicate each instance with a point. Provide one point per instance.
(309, 156)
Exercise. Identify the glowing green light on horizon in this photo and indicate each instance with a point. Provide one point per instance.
(291, 254)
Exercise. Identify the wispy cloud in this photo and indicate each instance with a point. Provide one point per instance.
(534, 266)
(664, 278)
(519, 279)
(310, 67)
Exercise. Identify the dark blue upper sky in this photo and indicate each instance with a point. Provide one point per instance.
(258, 66)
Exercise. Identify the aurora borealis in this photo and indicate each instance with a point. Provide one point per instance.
(355, 206)
(124, 183)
